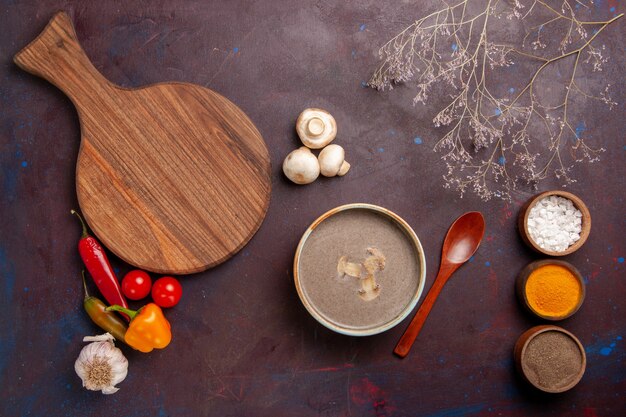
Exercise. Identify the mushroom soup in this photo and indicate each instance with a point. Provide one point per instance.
(359, 270)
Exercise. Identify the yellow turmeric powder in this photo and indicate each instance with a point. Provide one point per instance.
(553, 290)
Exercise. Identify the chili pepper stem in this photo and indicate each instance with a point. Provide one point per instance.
(131, 313)
(82, 222)
(85, 284)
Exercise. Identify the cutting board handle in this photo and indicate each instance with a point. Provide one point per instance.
(57, 56)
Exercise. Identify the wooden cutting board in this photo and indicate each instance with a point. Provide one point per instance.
(172, 178)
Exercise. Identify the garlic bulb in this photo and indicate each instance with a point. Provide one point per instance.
(101, 365)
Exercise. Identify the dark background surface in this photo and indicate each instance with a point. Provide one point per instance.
(243, 345)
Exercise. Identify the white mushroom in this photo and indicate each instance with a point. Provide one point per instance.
(364, 272)
(332, 161)
(301, 166)
(348, 268)
(316, 128)
(370, 289)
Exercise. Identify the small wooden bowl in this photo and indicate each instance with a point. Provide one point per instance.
(522, 279)
(530, 375)
(522, 221)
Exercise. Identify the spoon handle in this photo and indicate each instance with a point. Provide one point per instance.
(406, 341)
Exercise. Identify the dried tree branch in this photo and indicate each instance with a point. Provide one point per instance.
(501, 152)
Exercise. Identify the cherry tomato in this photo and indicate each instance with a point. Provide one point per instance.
(136, 284)
(166, 292)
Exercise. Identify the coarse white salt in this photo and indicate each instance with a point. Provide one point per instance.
(554, 223)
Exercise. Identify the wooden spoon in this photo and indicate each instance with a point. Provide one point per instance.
(461, 242)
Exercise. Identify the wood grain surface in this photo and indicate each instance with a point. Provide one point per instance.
(461, 242)
(173, 177)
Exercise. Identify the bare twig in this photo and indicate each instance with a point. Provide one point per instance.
(501, 152)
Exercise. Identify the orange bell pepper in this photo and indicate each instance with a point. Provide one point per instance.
(148, 328)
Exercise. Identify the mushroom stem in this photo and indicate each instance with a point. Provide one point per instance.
(345, 167)
(315, 126)
(369, 288)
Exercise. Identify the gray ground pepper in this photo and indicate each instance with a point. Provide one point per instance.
(552, 360)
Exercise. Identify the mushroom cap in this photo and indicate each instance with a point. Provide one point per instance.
(301, 166)
(331, 160)
(316, 128)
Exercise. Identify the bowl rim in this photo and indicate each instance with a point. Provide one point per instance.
(522, 279)
(578, 203)
(523, 342)
(409, 232)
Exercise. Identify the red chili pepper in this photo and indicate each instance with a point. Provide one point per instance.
(100, 269)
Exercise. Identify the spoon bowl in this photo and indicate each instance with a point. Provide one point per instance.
(463, 238)
(461, 242)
